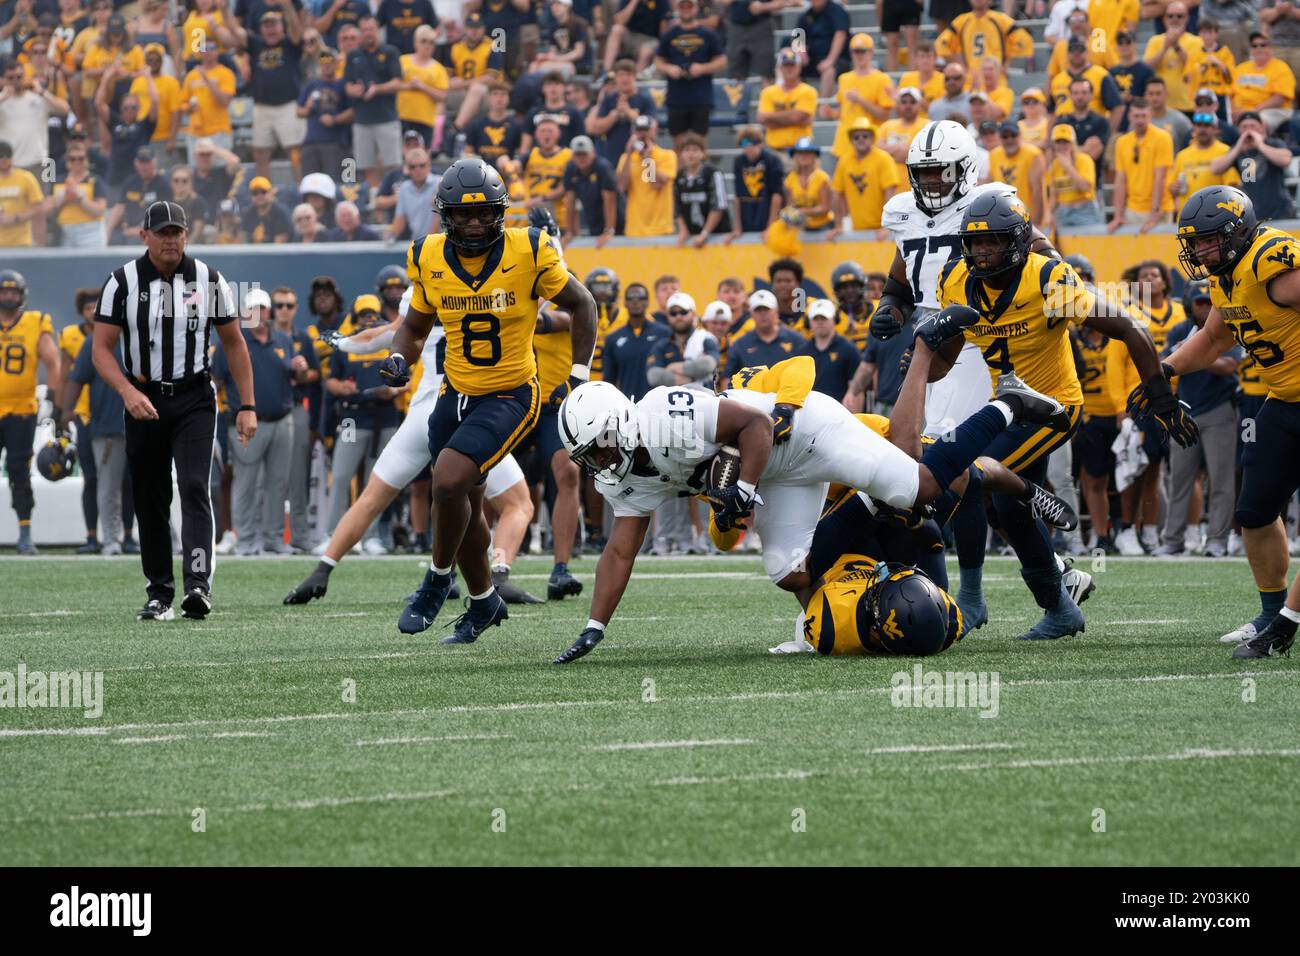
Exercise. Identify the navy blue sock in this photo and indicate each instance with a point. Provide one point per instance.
(432, 581)
(1270, 603)
(970, 532)
(1028, 535)
(971, 588)
(954, 452)
(560, 568)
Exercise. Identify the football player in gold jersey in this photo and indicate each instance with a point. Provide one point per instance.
(482, 281)
(1026, 302)
(1255, 288)
(26, 340)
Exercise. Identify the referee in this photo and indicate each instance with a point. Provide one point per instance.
(162, 308)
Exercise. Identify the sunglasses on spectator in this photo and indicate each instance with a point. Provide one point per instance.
(1258, 45)
(677, 312)
(76, 159)
(281, 305)
(636, 297)
(258, 192)
(748, 142)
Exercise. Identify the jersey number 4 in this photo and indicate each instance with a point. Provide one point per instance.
(998, 356)
(916, 250)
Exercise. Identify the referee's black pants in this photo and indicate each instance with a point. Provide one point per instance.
(183, 432)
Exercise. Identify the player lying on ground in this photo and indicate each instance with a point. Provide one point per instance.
(643, 454)
(402, 461)
(902, 537)
(1255, 290)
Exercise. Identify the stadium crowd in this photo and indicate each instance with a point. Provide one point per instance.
(636, 118)
(593, 110)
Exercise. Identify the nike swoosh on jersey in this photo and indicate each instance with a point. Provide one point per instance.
(505, 269)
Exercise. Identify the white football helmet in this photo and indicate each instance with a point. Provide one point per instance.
(946, 146)
(596, 416)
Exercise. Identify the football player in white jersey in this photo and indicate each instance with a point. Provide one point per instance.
(942, 167)
(645, 453)
(402, 460)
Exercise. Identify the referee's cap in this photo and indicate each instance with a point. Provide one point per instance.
(162, 214)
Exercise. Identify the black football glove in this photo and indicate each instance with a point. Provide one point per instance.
(394, 371)
(730, 505)
(583, 646)
(885, 322)
(562, 390)
(1155, 399)
(948, 324)
(782, 423)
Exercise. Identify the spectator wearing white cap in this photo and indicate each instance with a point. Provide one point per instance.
(837, 359)
(319, 192)
(261, 468)
(689, 355)
(770, 341)
(591, 197)
(716, 320)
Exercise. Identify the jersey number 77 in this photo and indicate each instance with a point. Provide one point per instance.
(917, 249)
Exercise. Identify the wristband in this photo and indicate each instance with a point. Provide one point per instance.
(580, 371)
(592, 623)
(248, 408)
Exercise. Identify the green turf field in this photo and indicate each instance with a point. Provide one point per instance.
(490, 754)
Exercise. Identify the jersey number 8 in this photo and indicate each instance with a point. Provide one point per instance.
(487, 329)
(15, 359)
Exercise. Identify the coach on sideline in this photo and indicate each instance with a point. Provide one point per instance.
(161, 307)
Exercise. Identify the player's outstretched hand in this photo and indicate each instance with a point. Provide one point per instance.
(782, 423)
(394, 371)
(562, 390)
(332, 338)
(1155, 399)
(583, 646)
(948, 324)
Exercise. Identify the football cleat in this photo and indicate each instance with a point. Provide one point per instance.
(512, 593)
(156, 610)
(452, 595)
(196, 605)
(1246, 632)
(1078, 584)
(481, 615)
(1034, 406)
(312, 587)
(25, 546)
(1128, 544)
(562, 584)
(1274, 641)
(425, 604)
(583, 646)
(92, 546)
(1064, 620)
(1055, 511)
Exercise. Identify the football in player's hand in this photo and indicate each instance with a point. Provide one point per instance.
(724, 470)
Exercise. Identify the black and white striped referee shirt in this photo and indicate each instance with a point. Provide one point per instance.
(166, 323)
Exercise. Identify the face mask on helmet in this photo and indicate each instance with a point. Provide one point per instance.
(602, 290)
(473, 227)
(934, 185)
(990, 254)
(606, 458)
(1203, 254)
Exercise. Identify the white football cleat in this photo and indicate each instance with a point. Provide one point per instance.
(1078, 584)
(1244, 633)
(1127, 543)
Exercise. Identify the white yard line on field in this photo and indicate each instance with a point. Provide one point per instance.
(672, 744)
(161, 739)
(388, 741)
(1154, 620)
(938, 748)
(1189, 754)
(634, 701)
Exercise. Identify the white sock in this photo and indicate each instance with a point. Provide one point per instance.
(1005, 409)
(592, 622)
(437, 570)
(1290, 615)
(327, 560)
(1060, 563)
(481, 597)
